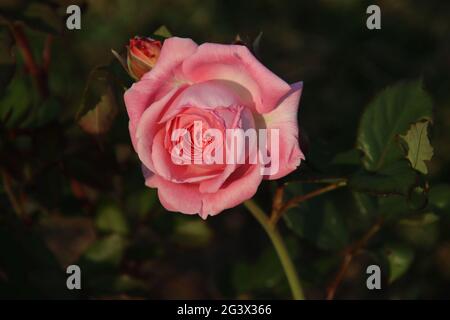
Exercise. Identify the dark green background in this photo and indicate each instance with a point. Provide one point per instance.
(116, 230)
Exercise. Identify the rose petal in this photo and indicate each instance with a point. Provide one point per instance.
(167, 72)
(284, 118)
(237, 64)
(240, 186)
(177, 197)
(208, 95)
(156, 83)
(148, 126)
(246, 122)
(167, 169)
(185, 197)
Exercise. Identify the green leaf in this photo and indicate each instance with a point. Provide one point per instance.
(393, 206)
(17, 102)
(419, 147)
(397, 178)
(344, 163)
(399, 258)
(122, 59)
(20, 106)
(362, 218)
(366, 204)
(100, 119)
(120, 78)
(421, 231)
(439, 197)
(111, 219)
(162, 31)
(106, 251)
(141, 202)
(127, 283)
(42, 113)
(97, 84)
(420, 220)
(191, 232)
(390, 114)
(319, 223)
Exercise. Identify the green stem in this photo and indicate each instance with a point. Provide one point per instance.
(280, 248)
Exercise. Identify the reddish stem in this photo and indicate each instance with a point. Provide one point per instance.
(349, 254)
(38, 74)
(47, 53)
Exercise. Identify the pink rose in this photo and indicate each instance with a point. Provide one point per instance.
(219, 87)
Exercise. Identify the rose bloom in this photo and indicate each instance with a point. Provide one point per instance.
(142, 55)
(223, 87)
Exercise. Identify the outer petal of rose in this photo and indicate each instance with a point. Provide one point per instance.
(284, 118)
(148, 126)
(137, 99)
(240, 186)
(237, 64)
(167, 73)
(177, 197)
(185, 197)
(173, 52)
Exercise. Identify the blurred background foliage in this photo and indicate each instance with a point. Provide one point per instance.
(72, 191)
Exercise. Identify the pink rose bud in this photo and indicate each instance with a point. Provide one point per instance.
(142, 55)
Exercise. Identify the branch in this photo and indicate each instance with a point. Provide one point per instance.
(38, 74)
(349, 254)
(47, 53)
(277, 203)
(276, 215)
(317, 180)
